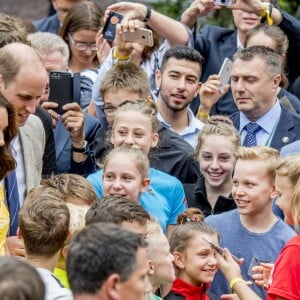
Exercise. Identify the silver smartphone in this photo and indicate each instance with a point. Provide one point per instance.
(223, 2)
(218, 248)
(140, 35)
(225, 73)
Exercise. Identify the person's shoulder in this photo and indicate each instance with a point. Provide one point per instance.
(33, 124)
(290, 149)
(216, 31)
(283, 228)
(47, 24)
(223, 217)
(171, 139)
(94, 177)
(163, 178)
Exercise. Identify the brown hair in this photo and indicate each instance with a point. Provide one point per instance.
(44, 221)
(7, 161)
(116, 209)
(10, 32)
(267, 155)
(183, 234)
(86, 15)
(289, 167)
(126, 76)
(191, 214)
(72, 185)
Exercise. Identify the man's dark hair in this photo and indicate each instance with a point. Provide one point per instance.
(182, 52)
(97, 252)
(19, 280)
(116, 209)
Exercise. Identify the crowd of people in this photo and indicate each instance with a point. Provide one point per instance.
(156, 180)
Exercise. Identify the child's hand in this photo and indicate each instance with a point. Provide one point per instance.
(262, 274)
(229, 267)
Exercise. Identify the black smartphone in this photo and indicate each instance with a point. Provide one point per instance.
(61, 89)
(109, 28)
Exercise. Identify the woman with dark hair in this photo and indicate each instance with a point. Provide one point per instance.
(8, 130)
(79, 30)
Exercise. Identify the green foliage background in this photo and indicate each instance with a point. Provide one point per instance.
(174, 8)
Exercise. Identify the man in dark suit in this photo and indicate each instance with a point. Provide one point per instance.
(216, 43)
(255, 77)
(52, 23)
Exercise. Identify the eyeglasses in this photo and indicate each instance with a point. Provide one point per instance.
(109, 110)
(82, 46)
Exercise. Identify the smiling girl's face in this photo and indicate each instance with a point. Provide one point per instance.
(133, 129)
(198, 263)
(216, 160)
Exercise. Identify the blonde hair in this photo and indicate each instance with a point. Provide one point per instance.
(138, 156)
(267, 155)
(72, 185)
(289, 167)
(219, 125)
(147, 107)
(77, 216)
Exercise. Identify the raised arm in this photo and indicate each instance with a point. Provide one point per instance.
(174, 31)
(198, 8)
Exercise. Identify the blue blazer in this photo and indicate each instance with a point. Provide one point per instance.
(49, 24)
(287, 131)
(215, 43)
(63, 144)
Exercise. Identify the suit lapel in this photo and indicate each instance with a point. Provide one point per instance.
(283, 134)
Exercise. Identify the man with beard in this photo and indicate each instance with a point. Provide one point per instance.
(178, 82)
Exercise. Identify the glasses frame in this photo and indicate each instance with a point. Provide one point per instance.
(80, 46)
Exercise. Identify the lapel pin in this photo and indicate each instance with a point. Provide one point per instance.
(285, 139)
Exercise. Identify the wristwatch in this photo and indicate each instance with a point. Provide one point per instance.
(84, 149)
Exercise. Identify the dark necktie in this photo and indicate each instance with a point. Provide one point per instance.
(12, 197)
(250, 139)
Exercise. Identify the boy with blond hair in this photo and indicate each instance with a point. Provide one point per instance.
(79, 196)
(251, 231)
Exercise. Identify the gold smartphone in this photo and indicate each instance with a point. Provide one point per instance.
(140, 35)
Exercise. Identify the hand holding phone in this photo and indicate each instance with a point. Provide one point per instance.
(64, 87)
(109, 28)
(219, 249)
(225, 73)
